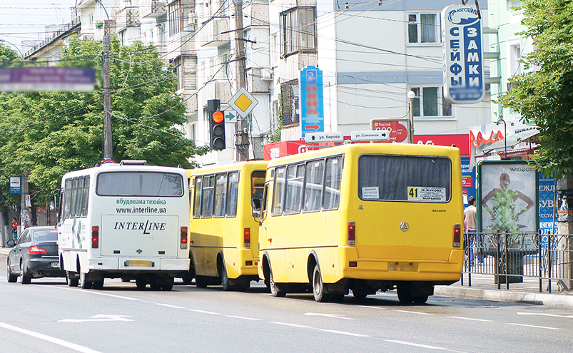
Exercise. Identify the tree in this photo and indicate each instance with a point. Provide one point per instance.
(47, 134)
(544, 95)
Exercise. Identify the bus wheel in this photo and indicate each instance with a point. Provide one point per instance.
(358, 294)
(167, 287)
(317, 286)
(73, 280)
(420, 300)
(84, 283)
(200, 281)
(404, 294)
(225, 278)
(337, 298)
(275, 291)
(140, 283)
(98, 284)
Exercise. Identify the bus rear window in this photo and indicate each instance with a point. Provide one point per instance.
(404, 178)
(140, 184)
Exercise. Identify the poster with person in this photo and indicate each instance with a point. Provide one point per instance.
(508, 202)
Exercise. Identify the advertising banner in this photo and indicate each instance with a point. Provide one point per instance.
(311, 104)
(508, 193)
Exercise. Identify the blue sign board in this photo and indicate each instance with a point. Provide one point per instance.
(462, 55)
(469, 188)
(311, 103)
(546, 205)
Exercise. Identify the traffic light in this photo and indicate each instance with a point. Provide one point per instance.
(216, 125)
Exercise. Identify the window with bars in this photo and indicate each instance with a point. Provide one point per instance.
(423, 28)
(298, 30)
(289, 103)
(430, 102)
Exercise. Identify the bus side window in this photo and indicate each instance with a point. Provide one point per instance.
(278, 191)
(332, 180)
(313, 186)
(233, 194)
(208, 196)
(197, 200)
(264, 202)
(220, 194)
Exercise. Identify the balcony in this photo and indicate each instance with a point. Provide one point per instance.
(128, 17)
(154, 8)
(215, 32)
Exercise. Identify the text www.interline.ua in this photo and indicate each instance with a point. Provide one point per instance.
(141, 210)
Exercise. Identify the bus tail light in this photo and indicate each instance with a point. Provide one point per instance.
(457, 235)
(183, 244)
(95, 237)
(247, 237)
(351, 232)
(36, 250)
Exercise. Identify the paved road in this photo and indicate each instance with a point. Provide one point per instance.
(49, 316)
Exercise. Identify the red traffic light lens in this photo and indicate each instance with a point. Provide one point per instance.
(218, 117)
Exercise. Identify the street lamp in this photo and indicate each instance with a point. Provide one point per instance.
(411, 95)
(5, 41)
(499, 121)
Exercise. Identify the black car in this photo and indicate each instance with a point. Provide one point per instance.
(35, 255)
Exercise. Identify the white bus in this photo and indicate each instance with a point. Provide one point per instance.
(126, 220)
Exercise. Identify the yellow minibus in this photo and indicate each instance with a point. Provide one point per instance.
(223, 236)
(362, 217)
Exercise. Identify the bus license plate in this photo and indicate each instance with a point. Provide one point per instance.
(138, 263)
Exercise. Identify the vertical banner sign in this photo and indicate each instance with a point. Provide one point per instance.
(462, 55)
(311, 105)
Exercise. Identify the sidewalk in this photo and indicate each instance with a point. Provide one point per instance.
(483, 287)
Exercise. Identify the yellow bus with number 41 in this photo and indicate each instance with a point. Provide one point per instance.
(363, 217)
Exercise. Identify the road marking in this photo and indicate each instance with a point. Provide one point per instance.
(469, 318)
(205, 312)
(551, 315)
(335, 316)
(321, 329)
(171, 306)
(343, 333)
(412, 312)
(534, 326)
(293, 325)
(371, 307)
(100, 318)
(98, 293)
(54, 340)
(415, 344)
(243, 317)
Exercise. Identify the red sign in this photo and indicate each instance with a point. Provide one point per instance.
(398, 132)
(461, 141)
(285, 148)
(467, 182)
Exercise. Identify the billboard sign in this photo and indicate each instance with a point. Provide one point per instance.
(47, 79)
(462, 52)
(396, 129)
(311, 102)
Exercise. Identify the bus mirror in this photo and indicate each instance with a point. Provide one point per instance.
(52, 202)
(256, 205)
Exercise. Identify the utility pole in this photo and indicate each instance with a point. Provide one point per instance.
(241, 132)
(107, 137)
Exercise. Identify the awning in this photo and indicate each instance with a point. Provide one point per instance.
(511, 140)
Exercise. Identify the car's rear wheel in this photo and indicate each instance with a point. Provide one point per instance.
(26, 278)
(10, 276)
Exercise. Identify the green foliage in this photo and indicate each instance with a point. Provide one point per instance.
(47, 134)
(545, 96)
(8, 57)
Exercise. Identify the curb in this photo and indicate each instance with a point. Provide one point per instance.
(504, 296)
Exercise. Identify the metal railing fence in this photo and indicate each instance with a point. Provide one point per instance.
(510, 257)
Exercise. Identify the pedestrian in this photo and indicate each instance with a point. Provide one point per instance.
(14, 229)
(471, 229)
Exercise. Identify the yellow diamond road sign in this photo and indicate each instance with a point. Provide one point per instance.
(243, 102)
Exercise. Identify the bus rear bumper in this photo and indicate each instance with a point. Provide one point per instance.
(128, 264)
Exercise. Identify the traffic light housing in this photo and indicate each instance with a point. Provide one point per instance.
(216, 126)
